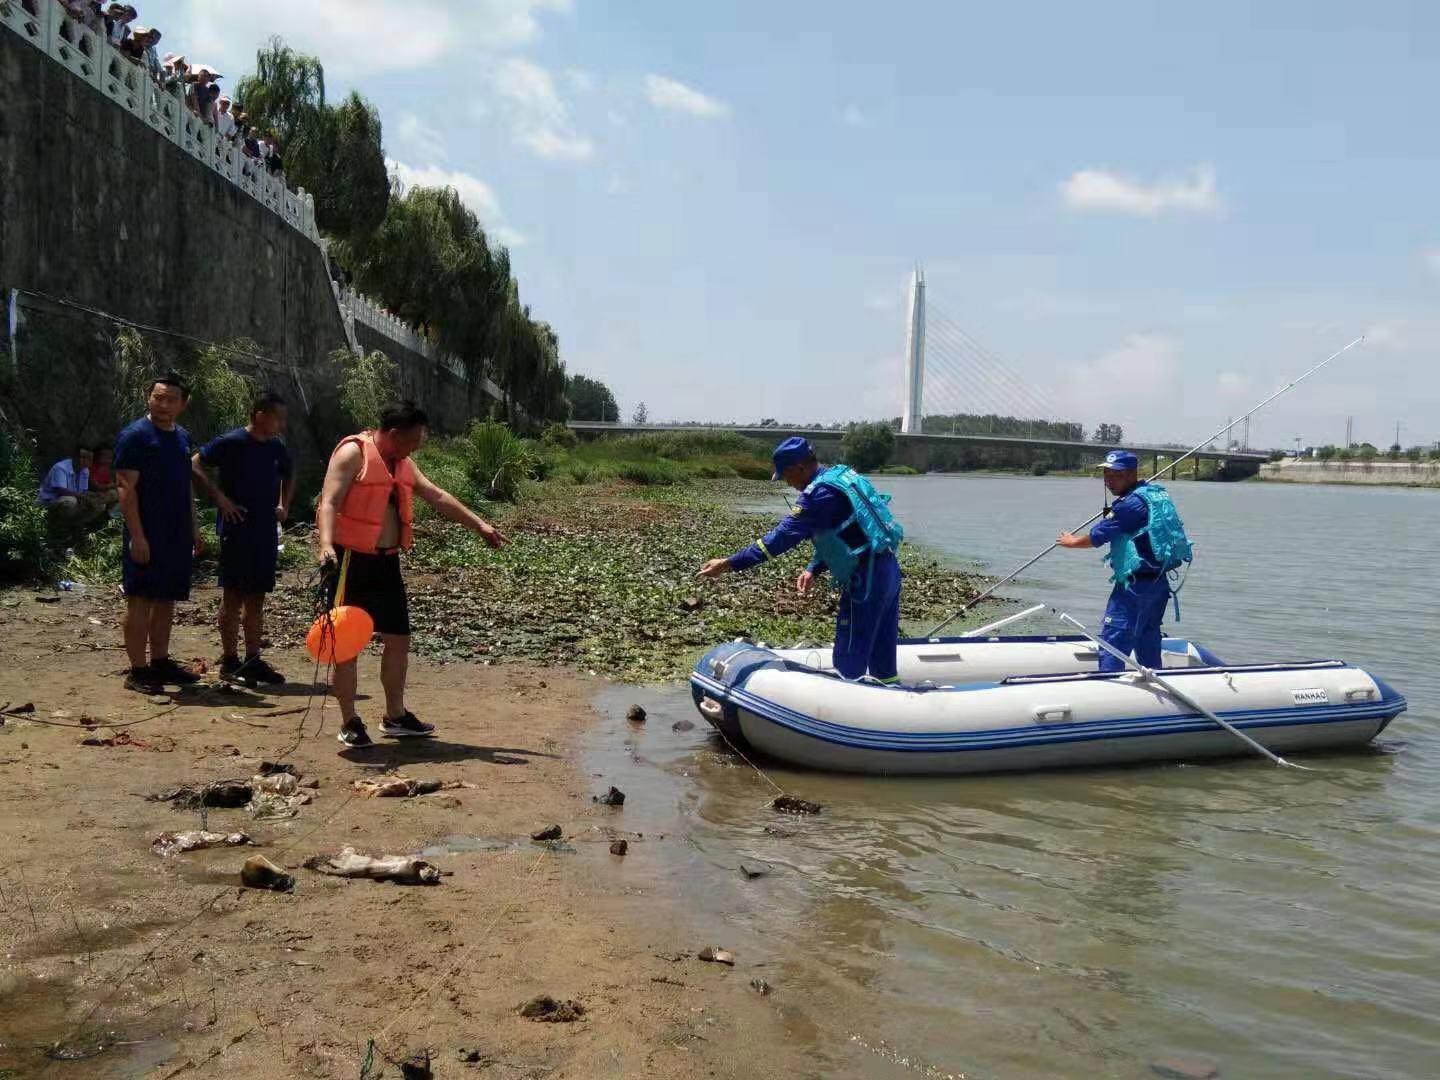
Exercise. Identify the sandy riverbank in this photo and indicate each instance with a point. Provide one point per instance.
(180, 971)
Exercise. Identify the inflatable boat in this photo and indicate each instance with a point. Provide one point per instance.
(999, 704)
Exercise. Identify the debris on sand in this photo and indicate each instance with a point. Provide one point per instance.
(761, 987)
(546, 1010)
(753, 870)
(404, 787)
(620, 847)
(220, 794)
(417, 1066)
(468, 1055)
(268, 806)
(717, 956)
(683, 725)
(1177, 1068)
(550, 832)
(613, 797)
(402, 869)
(120, 738)
(175, 843)
(789, 804)
(19, 710)
(276, 783)
(635, 714)
(260, 873)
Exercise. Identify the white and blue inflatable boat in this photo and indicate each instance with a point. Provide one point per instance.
(998, 704)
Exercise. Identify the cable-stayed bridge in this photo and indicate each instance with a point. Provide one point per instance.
(966, 408)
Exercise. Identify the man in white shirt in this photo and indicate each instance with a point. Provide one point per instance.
(66, 493)
(225, 119)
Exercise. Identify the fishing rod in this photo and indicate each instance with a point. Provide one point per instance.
(1150, 676)
(1161, 472)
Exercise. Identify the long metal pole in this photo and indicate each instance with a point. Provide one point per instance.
(1183, 698)
(1168, 468)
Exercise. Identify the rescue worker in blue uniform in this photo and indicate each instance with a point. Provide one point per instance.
(1147, 541)
(855, 539)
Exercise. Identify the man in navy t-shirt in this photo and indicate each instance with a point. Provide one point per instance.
(253, 495)
(162, 535)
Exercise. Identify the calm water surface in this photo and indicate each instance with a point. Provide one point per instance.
(1083, 924)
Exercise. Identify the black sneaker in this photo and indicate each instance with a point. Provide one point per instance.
(406, 727)
(166, 670)
(260, 671)
(232, 671)
(143, 680)
(353, 734)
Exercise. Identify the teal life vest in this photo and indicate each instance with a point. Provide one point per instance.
(1168, 541)
(869, 512)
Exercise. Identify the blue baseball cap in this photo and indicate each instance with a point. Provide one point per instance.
(791, 451)
(1119, 460)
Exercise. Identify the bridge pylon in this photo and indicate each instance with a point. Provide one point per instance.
(913, 419)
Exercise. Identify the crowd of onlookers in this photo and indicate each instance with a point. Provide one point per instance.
(198, 84)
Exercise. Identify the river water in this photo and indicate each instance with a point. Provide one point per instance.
(1087, 924)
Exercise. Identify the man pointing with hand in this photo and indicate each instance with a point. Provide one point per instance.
(365, 520)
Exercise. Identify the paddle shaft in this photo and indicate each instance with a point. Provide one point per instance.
(1229, 426)
(1179, 695)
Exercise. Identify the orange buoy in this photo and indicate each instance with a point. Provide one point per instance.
(340, 636)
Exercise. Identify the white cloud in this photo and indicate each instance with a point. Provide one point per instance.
(418, 140)
(1232, 384)
(477, 195)
(615, 118)
(882, 300)
(1100, 191)
(1386, 336)
(673, 96)
(1130, 385)
(360, 36)
(539, 117)
(854, 117)
(581, 81)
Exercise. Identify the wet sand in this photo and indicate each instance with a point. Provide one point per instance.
(175, 969)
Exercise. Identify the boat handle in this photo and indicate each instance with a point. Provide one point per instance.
(1361, 693)
(1043, 713)
(711, 708)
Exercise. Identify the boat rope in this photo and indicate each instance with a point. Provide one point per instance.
(1229, 426)
(741, 755)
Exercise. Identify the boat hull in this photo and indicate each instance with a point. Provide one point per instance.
(1075, 719)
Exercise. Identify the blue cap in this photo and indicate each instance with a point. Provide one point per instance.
(1120, 460)
(791, 451)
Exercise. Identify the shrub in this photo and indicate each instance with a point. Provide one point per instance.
(23, 550)
(500, 461)
(367, 384)
(559, 436)
(867, 447)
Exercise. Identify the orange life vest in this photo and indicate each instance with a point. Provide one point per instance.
(362, 514)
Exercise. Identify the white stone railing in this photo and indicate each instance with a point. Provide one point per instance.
(355, 308)
(90, 57)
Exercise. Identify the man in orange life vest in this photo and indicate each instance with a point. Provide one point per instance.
(366, 508)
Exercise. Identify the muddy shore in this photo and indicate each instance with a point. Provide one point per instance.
(121, 962)
(148, 966)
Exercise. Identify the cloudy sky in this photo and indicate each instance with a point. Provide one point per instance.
(1149, 213)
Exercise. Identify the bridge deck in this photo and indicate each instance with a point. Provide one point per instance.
(829, 435)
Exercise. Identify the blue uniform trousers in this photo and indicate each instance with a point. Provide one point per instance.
(867, 626)
(1132, 621)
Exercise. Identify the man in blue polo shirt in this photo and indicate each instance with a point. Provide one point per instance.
(253, 495)
(162, 534)
(1146, 540)
(855, 539)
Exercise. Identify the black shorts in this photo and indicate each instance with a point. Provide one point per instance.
(374, 584)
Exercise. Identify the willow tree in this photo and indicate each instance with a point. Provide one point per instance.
(334, 152)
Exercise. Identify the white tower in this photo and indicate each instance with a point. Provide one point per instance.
(915, 356)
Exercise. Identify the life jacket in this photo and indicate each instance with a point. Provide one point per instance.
(362, 515)
(874, 531)
(1166, 533)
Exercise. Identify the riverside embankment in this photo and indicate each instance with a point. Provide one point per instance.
(1380, 473)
